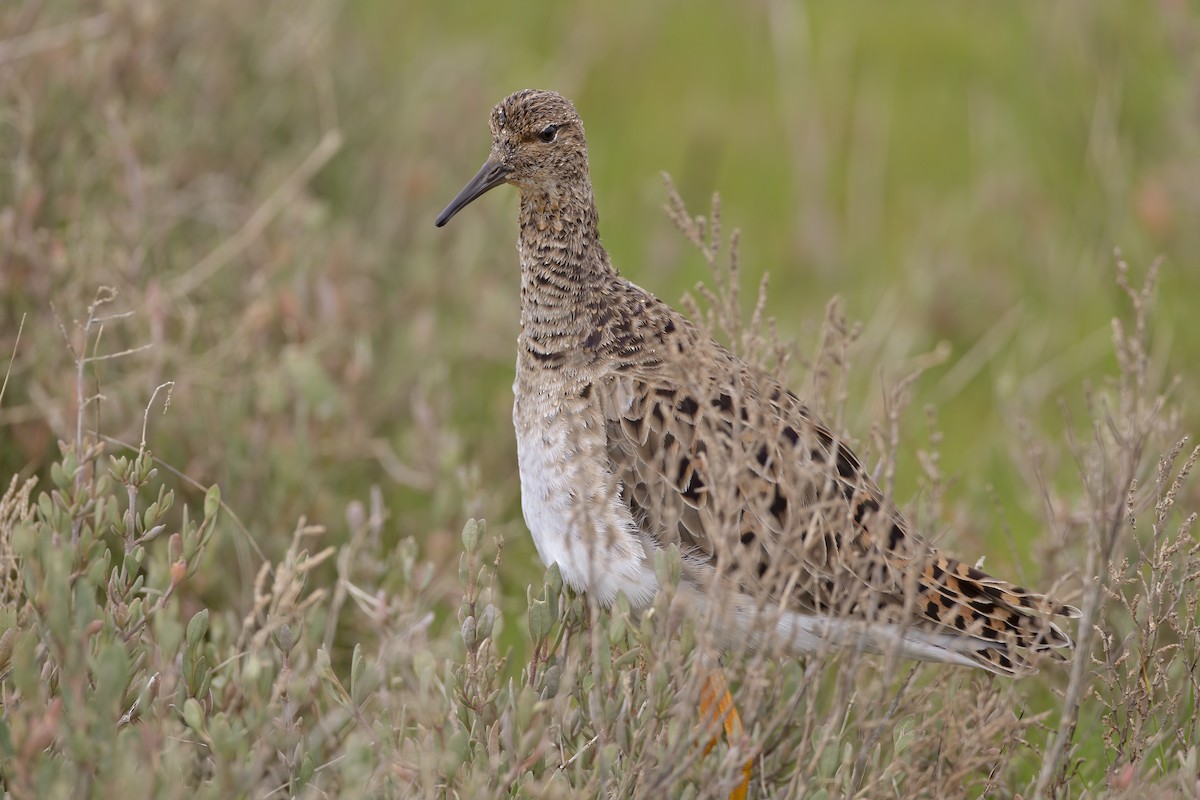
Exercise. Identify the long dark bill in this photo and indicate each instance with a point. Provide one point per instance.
(490, 175)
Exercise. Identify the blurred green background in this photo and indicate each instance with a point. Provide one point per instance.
(959, 172)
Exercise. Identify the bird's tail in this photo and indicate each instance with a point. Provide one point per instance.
(987, 621)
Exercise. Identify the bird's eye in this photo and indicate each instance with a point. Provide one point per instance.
(548, 133)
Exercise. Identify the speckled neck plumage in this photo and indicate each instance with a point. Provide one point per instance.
(564, 271)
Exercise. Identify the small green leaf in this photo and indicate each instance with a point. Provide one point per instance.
(526, 704)
(7, 750)
(212, 502)
(196, 677)
(358, 667)
(903, 735)
(285, 639)
(323, 665)
(98, 569)
(470, 535)
(469, 630)
(118, 466)
(168, 632)
(6, 647)
(197, 627)
(828, 765)
(145, 466)
(551, 679)
(325, 673)
(225, 741)
(111, 671)
(70, 463)
(554, 582)
(540, 621)
(487, 622)
(59, 475)
(456, 752)
(150, 517)
(627, 659)
(193, 714)
(616, 629)
(668, 568)
(307, 767)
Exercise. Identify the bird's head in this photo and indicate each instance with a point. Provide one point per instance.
(537, 145)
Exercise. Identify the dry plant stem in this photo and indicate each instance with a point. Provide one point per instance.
(12, 358)
(41, 41)
(103, 296)
(868, 743)
(843, 338)
(372, 526)
(284, 194)
(168, 385)
(895, 401)
(288, 711)
(1110, 501)
(1163, 574)
(1099, 556)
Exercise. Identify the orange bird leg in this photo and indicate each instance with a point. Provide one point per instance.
(716, 706)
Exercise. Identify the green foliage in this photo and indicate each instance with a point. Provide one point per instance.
(111, 684)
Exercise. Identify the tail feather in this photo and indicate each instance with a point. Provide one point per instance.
(994, 624)
(923, 641)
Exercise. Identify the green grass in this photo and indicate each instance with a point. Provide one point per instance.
(259, 189)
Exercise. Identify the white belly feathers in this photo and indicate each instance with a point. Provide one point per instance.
(571, 503)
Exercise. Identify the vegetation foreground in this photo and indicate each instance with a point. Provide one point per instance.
(183, 347)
